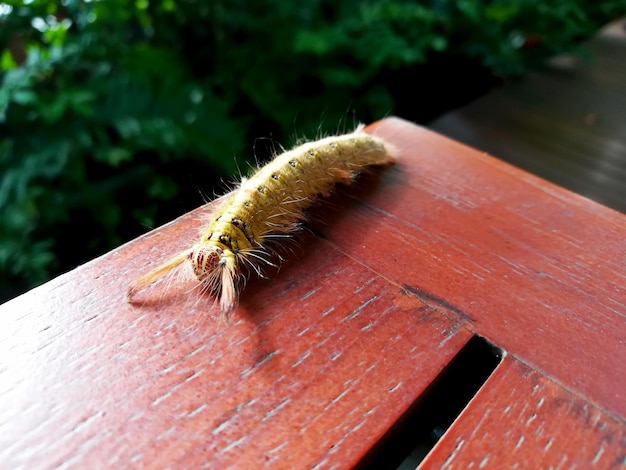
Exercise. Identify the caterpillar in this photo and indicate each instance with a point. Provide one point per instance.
(266, 207)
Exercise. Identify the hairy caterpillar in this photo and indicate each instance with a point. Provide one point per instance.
(267, 206)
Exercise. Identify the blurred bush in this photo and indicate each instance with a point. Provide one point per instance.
(114, 111)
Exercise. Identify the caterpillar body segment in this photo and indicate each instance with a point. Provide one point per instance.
(269, 206)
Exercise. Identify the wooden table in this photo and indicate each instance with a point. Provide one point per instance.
(320, 361)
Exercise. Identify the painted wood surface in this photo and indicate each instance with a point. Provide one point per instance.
(536, 269)
(321, 359)
(521, 419)
(307, 374)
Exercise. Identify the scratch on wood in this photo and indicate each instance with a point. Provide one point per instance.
(453, 454)
(195, 351)
(370, 411)
(357, 427)
(172, 366)
(334, 356)
(242, 340)
(531, 419)
(301, 358)
(166, 433)
(277, 448)
(232, 445)
(327, 311)
(259, 363)
(320, 464)
(431, 299)
(170, 325)
(85, 422)
(193, 376)
(258, 327)
(358, 310)
(136, 322)
(194, 412)
(336, 399)
(548, 444)
(323, 341)
(136, 416)
(450, 334)
(364, 285)
(225, 423)
(308, 294)
(161, 398)
(596, 457)
(274, 410)
(45, 345)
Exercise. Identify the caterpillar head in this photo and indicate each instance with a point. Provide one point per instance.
(216, 267)
(205, 261)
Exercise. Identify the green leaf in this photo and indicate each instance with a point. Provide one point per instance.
(6, 61)
(53, 110)
(24, 97)
(312, 42)
(114, 156)
(81, 101)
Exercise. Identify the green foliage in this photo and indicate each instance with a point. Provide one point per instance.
(107, 107)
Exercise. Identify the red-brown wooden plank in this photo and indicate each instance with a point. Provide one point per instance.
(307, 372)
(521, 419)
(536, 269)
(312, 370)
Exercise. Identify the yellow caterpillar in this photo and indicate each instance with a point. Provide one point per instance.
(268, 206)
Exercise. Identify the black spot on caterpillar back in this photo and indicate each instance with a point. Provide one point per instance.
(267, 206)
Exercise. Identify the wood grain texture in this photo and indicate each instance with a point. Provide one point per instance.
(318, 362)
(546, 427)
(536, 269)
(313, 369)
